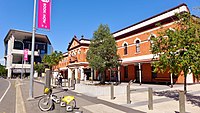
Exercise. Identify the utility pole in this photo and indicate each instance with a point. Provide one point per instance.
(32, 53)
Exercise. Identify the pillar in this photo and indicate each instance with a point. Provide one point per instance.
(171, 79)
(119, 74)
(69, 73)
(140, 73)
(95, 74)
(9, 73)
(76, 73)
(92, 74)
(82, 74)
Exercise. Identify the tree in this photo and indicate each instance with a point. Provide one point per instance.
(102, 53)
(3, 71)
(40, 68)
(53, 59)
(178, 49)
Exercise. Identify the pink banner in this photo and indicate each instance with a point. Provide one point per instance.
(44, 14)
(25, 54)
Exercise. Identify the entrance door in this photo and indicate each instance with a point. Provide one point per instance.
(88, 73)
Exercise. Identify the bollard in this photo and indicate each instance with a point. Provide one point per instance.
(48, 79)
(112, 91)
(128, 94)
(182, 101)
(150, 102)
(73, 84)
(78, 80)
(65, 82)
(69, 82)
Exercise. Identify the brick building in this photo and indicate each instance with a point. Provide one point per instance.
(133, 43)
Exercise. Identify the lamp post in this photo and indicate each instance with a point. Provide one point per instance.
(32, 53)
(22, 57)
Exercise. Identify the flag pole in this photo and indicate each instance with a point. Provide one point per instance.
(32, 53)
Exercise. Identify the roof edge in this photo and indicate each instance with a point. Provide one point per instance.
(183, 4)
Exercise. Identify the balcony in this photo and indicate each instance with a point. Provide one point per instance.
(16, 51)
(21, 65)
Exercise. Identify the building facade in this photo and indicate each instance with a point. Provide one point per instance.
(74, 63)
(16, 42)
(133, 43)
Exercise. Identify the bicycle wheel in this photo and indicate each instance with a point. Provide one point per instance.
(45, 103)
(72, 103)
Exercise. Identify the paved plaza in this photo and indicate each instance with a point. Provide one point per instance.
(165, 99)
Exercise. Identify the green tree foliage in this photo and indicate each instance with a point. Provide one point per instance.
(40, 68)
(102, 53)
(3, 71)
(53, 59)
(178, 49)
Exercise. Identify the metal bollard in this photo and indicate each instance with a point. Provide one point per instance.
(128, 94)
(73, 84)
(48, 79)
(182, 101)
(112, 91)
(150, 102)
(69, 82)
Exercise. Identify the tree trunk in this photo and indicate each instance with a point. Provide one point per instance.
(102, 78)
(185, 82)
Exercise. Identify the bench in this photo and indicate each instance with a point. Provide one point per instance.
(162, 79)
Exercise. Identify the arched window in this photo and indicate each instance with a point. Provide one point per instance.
(137, 46)
(125, 49)
(150, 39)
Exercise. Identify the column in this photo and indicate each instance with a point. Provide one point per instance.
(119, 74)
(95, 74)
(171, 79)
(189, 77)
(140, 73)
(76, 73)
(69, 73)
(9, 73)
(92, 74)
(82, 73)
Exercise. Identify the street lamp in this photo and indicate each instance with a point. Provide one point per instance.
(22, 55)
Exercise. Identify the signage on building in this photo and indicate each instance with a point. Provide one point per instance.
(25, 54)
(44, 11)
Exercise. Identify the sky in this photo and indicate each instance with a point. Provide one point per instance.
(82, 17)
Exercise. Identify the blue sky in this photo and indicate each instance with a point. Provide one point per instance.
(82, 17)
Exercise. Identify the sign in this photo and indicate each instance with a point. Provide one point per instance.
(44, 14)
(25, 54)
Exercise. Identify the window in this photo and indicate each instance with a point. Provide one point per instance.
(151, 41)
(137, 46)
(18, 45)
(125, 49)
(125, 71)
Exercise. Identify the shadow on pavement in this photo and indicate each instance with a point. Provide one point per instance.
(194, 100)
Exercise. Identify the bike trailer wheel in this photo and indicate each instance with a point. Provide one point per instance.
(45, 103)
(72, 103)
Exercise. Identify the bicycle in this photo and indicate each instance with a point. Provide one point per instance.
(47, 102)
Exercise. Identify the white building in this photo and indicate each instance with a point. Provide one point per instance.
(15, 42)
